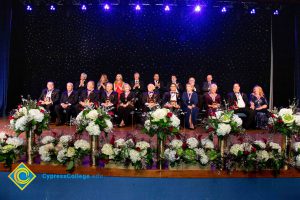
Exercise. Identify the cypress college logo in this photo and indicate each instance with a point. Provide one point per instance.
(22, 176)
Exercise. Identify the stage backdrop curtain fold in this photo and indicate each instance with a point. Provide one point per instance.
(5, 31)
(297, 57)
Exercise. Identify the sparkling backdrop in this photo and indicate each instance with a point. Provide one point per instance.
(61, 44)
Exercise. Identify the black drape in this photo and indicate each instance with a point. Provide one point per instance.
(5, 30)
(297, 56)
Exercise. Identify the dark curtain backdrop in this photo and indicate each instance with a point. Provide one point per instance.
(58, 46)
(5, 29)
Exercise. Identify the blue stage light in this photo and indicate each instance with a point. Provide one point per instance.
(224, 10)
(167, 8)
(253, 11)
(83, 7)
(106, 7)
(276, 12)
(28, 8)
(137, 7)
(197, 8)
(52, 8)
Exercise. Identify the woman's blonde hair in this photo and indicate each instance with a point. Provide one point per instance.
(260, 90)
(104, 76)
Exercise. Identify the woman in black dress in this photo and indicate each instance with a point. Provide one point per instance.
(260, 104)
(126, 105)
(212, 99)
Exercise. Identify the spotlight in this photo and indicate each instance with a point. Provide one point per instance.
(224, 10)
(83, 7)
(52, 8)
(197, 8)
(167, 8)
(137, 7)
(253, 11)
(28, 8)
(276, 12)
(106, 7)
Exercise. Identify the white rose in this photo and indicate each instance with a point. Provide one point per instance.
(207, 143)
(65, 139)
(109, 125)
(120, 143)
(70, 152)
(23, 111)
(142, 145)
(159, 114)
(37, 115)
(219, 114)
(93, 129)
(223, 129)
(262, 155)
(15, 141)
(93, 115)
(204, 159)
(134, 156)
(285, 111)
(175, 121)
(237, 119)
(275, 146)
(107, 149)
(170, 155)
(47, 139)
(21, 123)
(82, 144)
(192, 142)
(176, 144)
(62, 155)
(297, 120)
(235, 149)
(260, 143)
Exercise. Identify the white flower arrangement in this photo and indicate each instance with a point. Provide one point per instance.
(176, 144)
(47, 139)
(223, 129)
(82, 144)
(260, 144)
(207, 143)
(142, 145)
(236, 149)
(262, 155)
(192, 142)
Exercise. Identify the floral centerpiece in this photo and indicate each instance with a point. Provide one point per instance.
(31, 118)
(286, 122)
(190, 151)
(10, 148)
(255, 156)
(94, 121)
(128, 152)
(63, 151)
(162, 123)
(223, 124)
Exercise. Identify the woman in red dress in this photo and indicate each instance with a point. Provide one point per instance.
(119, 85)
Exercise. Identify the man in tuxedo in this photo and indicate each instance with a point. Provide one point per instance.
(174, 80)
(81, 84)
(205, 89)
(66, 108)
(172, 99)
(137, 88)
(192, 82)
(158, 85)
(49, 98)
(88, 97)
(150, 99)
(238, 101)
(109, 98)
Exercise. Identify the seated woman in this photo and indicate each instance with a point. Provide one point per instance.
(109, 98)
(126, 105)
(102, 83)
(189, 106)
(259, 103)
(171, 99)
(118, 85)
(212, 99)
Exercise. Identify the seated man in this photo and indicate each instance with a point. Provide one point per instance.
(171, 100)
(109, 98)
(88, 97)
(150, 99)
(239, 103)
(66, 108)
(49, 98)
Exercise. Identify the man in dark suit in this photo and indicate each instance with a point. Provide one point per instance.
(158, 85)
(109, 98)
(88, 97)
(195, 86)
(81, 84)
(239, 102)
(66, 108)
(172, 99)
(174, 80)
(137, 88)
(150, 99)
(49, 98)
(205, 89)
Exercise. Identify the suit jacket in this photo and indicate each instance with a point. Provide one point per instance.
(167, 97)
(232, 100)
(161, 89)
(72, 99)
(197, 89)
(93, 97)
(141, 89)
(130, 97)
(147, 99)
(186, 102)
(113, 98)
(54, 96)
(205, 87)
